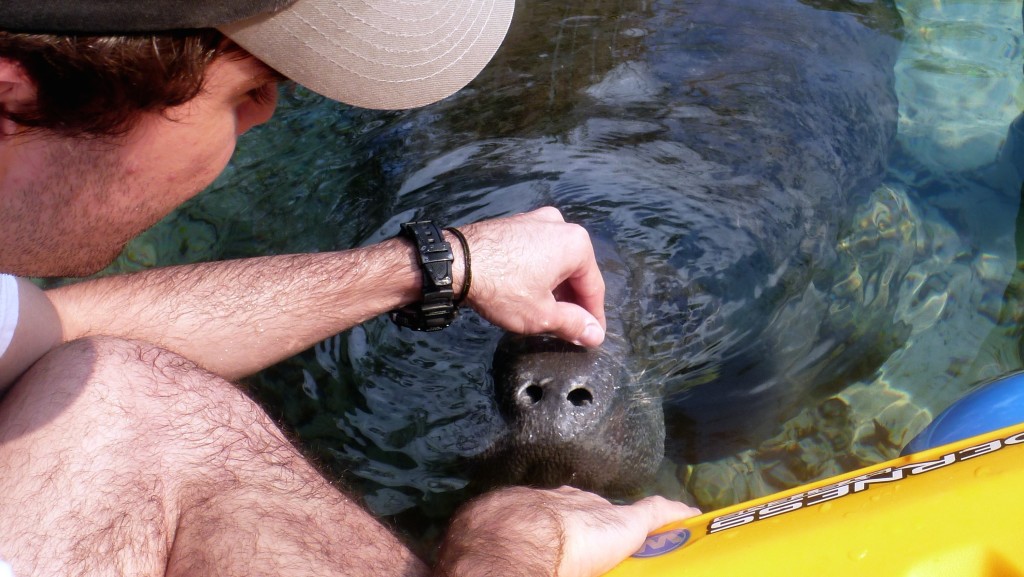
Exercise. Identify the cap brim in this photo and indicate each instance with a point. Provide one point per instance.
(388, 54)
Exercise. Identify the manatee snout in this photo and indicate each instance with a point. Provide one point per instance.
(553, 396)
(552, 389)
(573, 416)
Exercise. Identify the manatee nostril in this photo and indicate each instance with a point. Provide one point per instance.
(534, 392)
(579, 397)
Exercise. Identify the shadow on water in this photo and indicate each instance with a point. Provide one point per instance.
(733, 152)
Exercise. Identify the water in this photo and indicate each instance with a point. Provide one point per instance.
(930, 253)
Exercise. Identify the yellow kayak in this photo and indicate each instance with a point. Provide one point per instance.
(956, 509)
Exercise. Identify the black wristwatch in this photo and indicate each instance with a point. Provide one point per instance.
(437, 309)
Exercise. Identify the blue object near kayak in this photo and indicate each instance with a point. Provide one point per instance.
(989, 406)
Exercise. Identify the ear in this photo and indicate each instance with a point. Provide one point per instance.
(17, 92)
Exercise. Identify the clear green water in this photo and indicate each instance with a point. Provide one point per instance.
(934, 250)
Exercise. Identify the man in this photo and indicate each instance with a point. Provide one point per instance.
(125, 448)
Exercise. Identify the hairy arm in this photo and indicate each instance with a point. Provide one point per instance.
(531, 273)
(565, 532)
(236, 317)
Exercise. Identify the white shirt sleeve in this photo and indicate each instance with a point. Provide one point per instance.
(8, 313)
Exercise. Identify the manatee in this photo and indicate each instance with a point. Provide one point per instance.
(771, 136)
(718, 146)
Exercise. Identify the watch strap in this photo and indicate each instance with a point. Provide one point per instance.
(436, 310)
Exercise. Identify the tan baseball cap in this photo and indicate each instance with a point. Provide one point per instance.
(370, 53)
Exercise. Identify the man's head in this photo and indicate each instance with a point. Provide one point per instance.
(387, 54)
(113, 112)
(94, 86)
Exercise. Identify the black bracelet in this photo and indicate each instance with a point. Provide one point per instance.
(468, 281)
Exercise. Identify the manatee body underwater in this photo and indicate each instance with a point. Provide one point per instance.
(732, 368)
(718, 148)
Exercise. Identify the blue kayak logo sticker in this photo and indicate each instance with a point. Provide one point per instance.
(662, 543)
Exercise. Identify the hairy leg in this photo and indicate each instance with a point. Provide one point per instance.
(120, 458)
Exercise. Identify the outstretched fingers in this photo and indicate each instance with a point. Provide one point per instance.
(657, 511)
(599, 535)
(564, 532)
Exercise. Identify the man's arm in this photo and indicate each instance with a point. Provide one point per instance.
(531, 273)
(565, 532)
(37, 331)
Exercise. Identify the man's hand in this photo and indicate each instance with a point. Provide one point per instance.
(562, 532)
(536, 273)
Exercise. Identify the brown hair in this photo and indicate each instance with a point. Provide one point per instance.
(99, 85)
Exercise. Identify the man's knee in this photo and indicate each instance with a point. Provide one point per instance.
(123, 402)
(135, 450)
(77, 437)
(99, 375)
(133, 393)
(113, 361)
